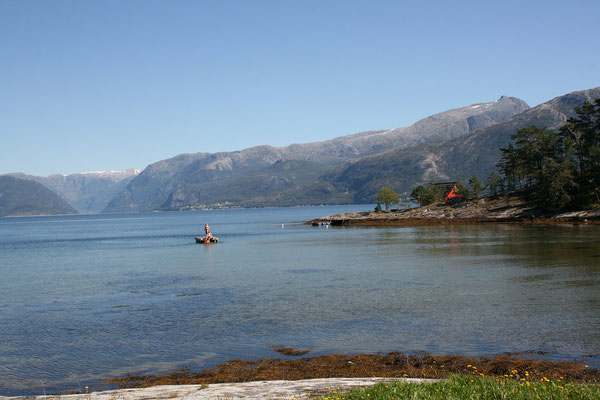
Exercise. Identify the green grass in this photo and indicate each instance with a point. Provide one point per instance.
(466, 387)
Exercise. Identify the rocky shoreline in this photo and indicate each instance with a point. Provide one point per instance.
(313, 376)
(391, 365)
(280, 389)
(482, 210)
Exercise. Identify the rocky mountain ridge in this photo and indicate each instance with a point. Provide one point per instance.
(193, 180)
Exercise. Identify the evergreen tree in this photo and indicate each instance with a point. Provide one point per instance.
(523, 162)
(494, 183)
(582, 134)
(461, 191)
(476, 187)
(510, 166)
(418, 194)
(556, 183)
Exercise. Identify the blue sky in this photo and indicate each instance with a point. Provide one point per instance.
(101, 85)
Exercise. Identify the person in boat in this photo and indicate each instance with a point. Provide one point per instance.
(207, 231)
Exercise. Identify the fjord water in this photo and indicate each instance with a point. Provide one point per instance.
(88, 297)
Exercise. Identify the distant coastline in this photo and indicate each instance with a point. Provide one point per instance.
(37, 215)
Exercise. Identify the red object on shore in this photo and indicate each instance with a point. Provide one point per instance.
(452, 193)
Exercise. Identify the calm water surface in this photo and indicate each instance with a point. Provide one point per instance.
(88, 297)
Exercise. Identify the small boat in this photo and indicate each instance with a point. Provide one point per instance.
(202, 239)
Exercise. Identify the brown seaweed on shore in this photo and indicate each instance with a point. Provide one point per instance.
(369, 365)
(289, 351)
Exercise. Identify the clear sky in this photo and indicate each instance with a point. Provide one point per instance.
(113, 84)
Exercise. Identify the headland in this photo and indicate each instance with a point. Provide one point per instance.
(487, 209)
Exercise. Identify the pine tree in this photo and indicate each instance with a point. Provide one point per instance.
(418, 194)
(556, 183)
(582, 135)
(494, 183)
(476, 187)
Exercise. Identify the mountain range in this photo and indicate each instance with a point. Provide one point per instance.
(452, 145)
(271, 176)
(88, 192)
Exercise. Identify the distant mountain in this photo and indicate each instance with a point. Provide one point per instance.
(265, 175)
(457, 159)
(20, 197)
(89, 192)
(269, 186)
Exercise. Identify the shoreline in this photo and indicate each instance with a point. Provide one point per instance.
(484, 210)
(390, 365)
(313, 376)
(347, 220)
(280, 389)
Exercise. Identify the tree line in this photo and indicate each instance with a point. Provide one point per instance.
(559, 168)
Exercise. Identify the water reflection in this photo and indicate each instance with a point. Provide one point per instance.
(207, 248)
